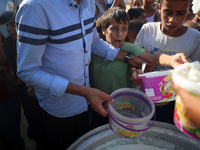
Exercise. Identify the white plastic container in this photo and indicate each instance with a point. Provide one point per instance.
(182, 76)
(158, 85)
(130, 112)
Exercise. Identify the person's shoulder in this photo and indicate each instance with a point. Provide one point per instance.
(32, 2)
(193, 32)
(151, 25)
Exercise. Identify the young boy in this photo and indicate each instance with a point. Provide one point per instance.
(109, 76)
(148, 5)
(137, 14)
(170, 37)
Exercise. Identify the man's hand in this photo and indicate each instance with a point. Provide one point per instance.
(178, 59)
(97, 98)
(94, 96)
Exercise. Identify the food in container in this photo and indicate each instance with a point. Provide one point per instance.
(188, 77)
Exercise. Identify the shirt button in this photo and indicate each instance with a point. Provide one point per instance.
(85, 51)
(85, 64)
(70, 4)
(86, 77)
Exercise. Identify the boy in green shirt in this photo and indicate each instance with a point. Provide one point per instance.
(109, 76)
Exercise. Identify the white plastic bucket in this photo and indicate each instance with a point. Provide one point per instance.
(130, 112)
(180, 117)
(158, 85)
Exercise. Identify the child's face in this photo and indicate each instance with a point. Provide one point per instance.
(148, 3)
(173, 14)
(116, 33)
(137, 3)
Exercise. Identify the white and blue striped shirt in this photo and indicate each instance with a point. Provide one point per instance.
(55, 41)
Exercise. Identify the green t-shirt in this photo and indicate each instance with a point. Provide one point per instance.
(109, 76)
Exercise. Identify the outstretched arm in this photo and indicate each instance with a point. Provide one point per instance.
(116, 3)
(133, 60)
(164, 60)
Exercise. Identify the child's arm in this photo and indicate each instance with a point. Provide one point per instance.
(158, 60)
(163, 59)
(134, 73)
(129, 47)
(116, 3)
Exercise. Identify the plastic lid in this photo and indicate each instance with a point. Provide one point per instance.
(156, 74)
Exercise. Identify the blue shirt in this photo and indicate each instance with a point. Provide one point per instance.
(55, 41)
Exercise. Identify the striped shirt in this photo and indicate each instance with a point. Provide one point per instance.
(55, 42)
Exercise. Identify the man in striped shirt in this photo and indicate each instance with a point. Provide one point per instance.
(55, 42)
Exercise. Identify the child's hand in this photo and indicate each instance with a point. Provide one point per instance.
(178, 59)
(134, 76)
(148, 68)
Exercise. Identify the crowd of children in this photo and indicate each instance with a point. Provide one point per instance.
(158, 34)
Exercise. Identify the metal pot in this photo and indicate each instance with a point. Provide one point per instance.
(7, 11)
(160, 135)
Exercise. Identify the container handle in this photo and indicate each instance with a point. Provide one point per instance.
(129, 128)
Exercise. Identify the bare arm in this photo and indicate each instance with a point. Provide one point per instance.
(94, 96)
(191, 104)
(163, 59)
(116, 3)
(135, 61)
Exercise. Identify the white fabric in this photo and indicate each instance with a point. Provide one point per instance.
(153, 40)
(151, 18)
(196, 6)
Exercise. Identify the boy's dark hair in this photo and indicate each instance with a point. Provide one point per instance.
(161, 1)
(115, 13)
(135, 12)
(134, 28)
